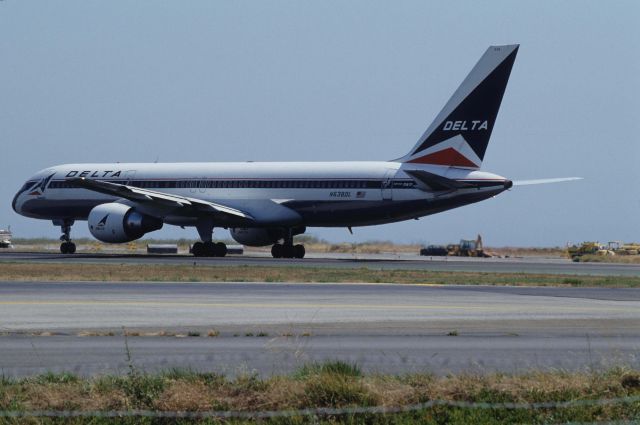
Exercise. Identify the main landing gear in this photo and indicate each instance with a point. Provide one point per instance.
(207, 248)
(287, 249)
(66, 247)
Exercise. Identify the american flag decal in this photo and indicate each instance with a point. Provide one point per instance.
(360, 194)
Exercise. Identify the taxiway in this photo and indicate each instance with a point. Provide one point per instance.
(371, 261)
(275, 327)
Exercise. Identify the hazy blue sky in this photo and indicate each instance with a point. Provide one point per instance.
(106, 81)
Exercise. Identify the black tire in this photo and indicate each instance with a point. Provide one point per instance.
(209, 249)
(276, 251)
(71, 248)
(198, 249)
(299, 251)
(287, 251)
(220, 249)
(64, 248)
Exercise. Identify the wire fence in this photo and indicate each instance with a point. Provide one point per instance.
(320, 411)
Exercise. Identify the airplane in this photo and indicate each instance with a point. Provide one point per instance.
(268, 203)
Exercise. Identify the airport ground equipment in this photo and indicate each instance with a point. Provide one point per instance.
(467, 248)
(434, 251)
(585, 248)
(595, 248)
(621, 248)
(5, 238)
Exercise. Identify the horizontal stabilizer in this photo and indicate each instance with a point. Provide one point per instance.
(544, 181)
(437, 182)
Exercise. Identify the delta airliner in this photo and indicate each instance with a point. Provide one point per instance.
(268, 203)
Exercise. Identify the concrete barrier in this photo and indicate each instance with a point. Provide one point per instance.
(231, 249)
(162, 249)
(235, 249)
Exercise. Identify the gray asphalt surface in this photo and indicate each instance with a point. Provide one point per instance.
(371, 261)
(384, 328)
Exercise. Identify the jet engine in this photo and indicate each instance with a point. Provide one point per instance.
(117, 223)
(256, 236)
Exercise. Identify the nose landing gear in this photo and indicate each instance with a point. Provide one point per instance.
(66, 247)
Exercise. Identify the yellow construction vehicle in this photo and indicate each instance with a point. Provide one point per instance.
(467, 248)
(621, 248)
(585, 248)
(632, 248)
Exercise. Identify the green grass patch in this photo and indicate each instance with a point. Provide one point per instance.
(329, 368)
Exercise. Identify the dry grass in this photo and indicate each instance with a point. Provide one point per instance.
(185, 396)
(327, 387)
(186, 273)
(363, 248)
(511, 251)
(621, 259)
(65, 396)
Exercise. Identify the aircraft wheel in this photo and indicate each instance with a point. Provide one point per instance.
(287, 251)
(209, 249)
(298, 251)
(67, 247)
(220, 249)
(198, 249)
(276, 251)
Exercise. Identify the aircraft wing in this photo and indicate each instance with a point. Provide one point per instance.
(137, 194)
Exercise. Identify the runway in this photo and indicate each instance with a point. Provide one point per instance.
(370, 261)
(272, 328)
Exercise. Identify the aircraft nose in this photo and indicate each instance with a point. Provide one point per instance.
(15, 202)
(508, 184)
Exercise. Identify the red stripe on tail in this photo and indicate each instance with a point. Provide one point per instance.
(448, 156)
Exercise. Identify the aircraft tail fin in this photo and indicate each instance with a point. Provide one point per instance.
(459, 135)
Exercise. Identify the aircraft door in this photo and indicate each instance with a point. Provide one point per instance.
(129, 175)
(387, 185)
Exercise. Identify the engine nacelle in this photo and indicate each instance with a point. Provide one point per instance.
(257, 236)
(117, 223)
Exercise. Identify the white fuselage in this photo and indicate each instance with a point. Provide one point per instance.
(320, 193)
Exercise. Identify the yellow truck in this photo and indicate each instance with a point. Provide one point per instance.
(595, 248)
(467, 248)
(621, 248)
(585, 248)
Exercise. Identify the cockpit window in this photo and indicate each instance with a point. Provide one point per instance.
(27, 186)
